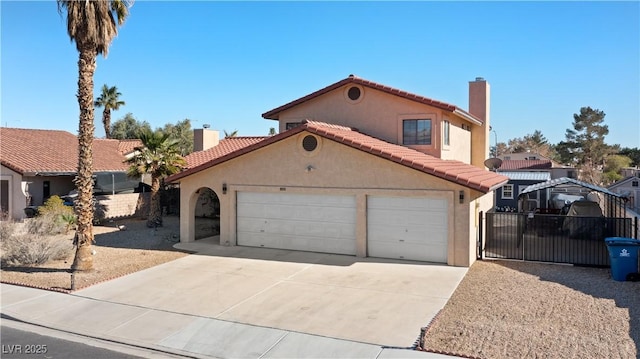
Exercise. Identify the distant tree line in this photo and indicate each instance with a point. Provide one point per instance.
(584, 147)
(130, 128)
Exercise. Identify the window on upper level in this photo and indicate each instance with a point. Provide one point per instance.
(291, 125)
(446, 127)
(634, 184)
(416, 132)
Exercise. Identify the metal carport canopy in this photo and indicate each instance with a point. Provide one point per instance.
(565, 182)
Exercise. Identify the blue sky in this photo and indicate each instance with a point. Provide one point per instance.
(226, 63)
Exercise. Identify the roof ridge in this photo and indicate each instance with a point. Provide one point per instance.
(273, 114)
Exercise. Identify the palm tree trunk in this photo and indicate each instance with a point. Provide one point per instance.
(155, 214)
(106, 121)
(83, 239)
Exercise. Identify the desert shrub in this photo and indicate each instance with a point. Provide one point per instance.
(7, 229)
(47, 224)
(21, 248)
(55, 205)
(53, 218)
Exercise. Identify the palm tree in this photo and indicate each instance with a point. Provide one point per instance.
(109, 100)
(92, 25)
(233, 133)
(158, 156)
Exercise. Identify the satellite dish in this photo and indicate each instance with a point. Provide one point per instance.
(493, 163)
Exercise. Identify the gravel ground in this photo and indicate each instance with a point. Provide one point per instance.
(117, 253)
(530, 310)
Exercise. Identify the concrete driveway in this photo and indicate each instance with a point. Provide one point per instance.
(376, 301)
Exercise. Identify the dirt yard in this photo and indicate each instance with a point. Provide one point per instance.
(117, 253)
(529, 310)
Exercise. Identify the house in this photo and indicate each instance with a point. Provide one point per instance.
(358, 168)
(630, 188)
(36, 164)
(525, 169)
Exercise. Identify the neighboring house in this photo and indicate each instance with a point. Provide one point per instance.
(523, 170)
(37, 164)
(630, 188)
(358, 168)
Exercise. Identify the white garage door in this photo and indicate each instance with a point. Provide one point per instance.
(407, 228)
(315, 223)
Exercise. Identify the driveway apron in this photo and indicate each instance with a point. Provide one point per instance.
(368, 300)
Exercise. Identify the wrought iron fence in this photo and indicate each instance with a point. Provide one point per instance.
(552, 238)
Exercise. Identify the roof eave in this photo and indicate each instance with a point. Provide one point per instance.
(467, 116)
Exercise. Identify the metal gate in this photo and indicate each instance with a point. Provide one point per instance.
(551, 238)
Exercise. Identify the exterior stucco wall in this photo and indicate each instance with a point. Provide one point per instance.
(377, 114)
(17, 200)
(333, 168)
(459, 147)
(58, 186)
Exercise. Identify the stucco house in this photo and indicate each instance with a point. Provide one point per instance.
(36, 164)
(630, 188)
(358, 168)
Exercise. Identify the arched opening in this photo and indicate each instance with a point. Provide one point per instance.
(207, 215)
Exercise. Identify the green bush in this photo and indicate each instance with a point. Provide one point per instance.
(53, 218)
(54, 205)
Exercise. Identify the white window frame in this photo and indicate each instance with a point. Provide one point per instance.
(510, 191)
(446, 133)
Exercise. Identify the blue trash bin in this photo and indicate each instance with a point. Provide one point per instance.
(623, 255)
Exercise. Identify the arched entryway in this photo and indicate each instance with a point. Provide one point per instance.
(207, 215)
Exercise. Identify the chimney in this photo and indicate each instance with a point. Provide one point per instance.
(479, 106)
(204, 139)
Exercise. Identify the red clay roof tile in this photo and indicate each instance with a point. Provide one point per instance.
(275, 113)
(226, 146)
(508, 165)
(53, 151)
(454, 171)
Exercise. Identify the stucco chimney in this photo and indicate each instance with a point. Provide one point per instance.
(204, 139)
(479, 106)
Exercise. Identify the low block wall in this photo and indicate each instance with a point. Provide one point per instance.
(122, 205)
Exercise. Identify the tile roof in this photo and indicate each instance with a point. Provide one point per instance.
(509, 165)
(226, 146)
(126, 147)
(450, 170)
(275, 113)
(29, 151)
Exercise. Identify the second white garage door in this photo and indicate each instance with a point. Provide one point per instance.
(407, 228)
(316, 223)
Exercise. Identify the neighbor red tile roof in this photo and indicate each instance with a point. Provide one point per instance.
(29, 151)
(509, 165)
(128, 146)
(226, 146)
(275, 113)
(454, 171)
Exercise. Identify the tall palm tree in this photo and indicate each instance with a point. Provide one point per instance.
(158, 156)
(92, 25)
(108, 100)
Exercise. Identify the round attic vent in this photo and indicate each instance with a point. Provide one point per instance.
(309, 143)
(354, 93)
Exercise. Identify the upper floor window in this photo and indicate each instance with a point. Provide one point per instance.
(634, 184)
(416, 132)
(291, 125)
(445, 132)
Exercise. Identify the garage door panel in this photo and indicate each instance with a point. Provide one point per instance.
(297, 221)
(412, 228)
